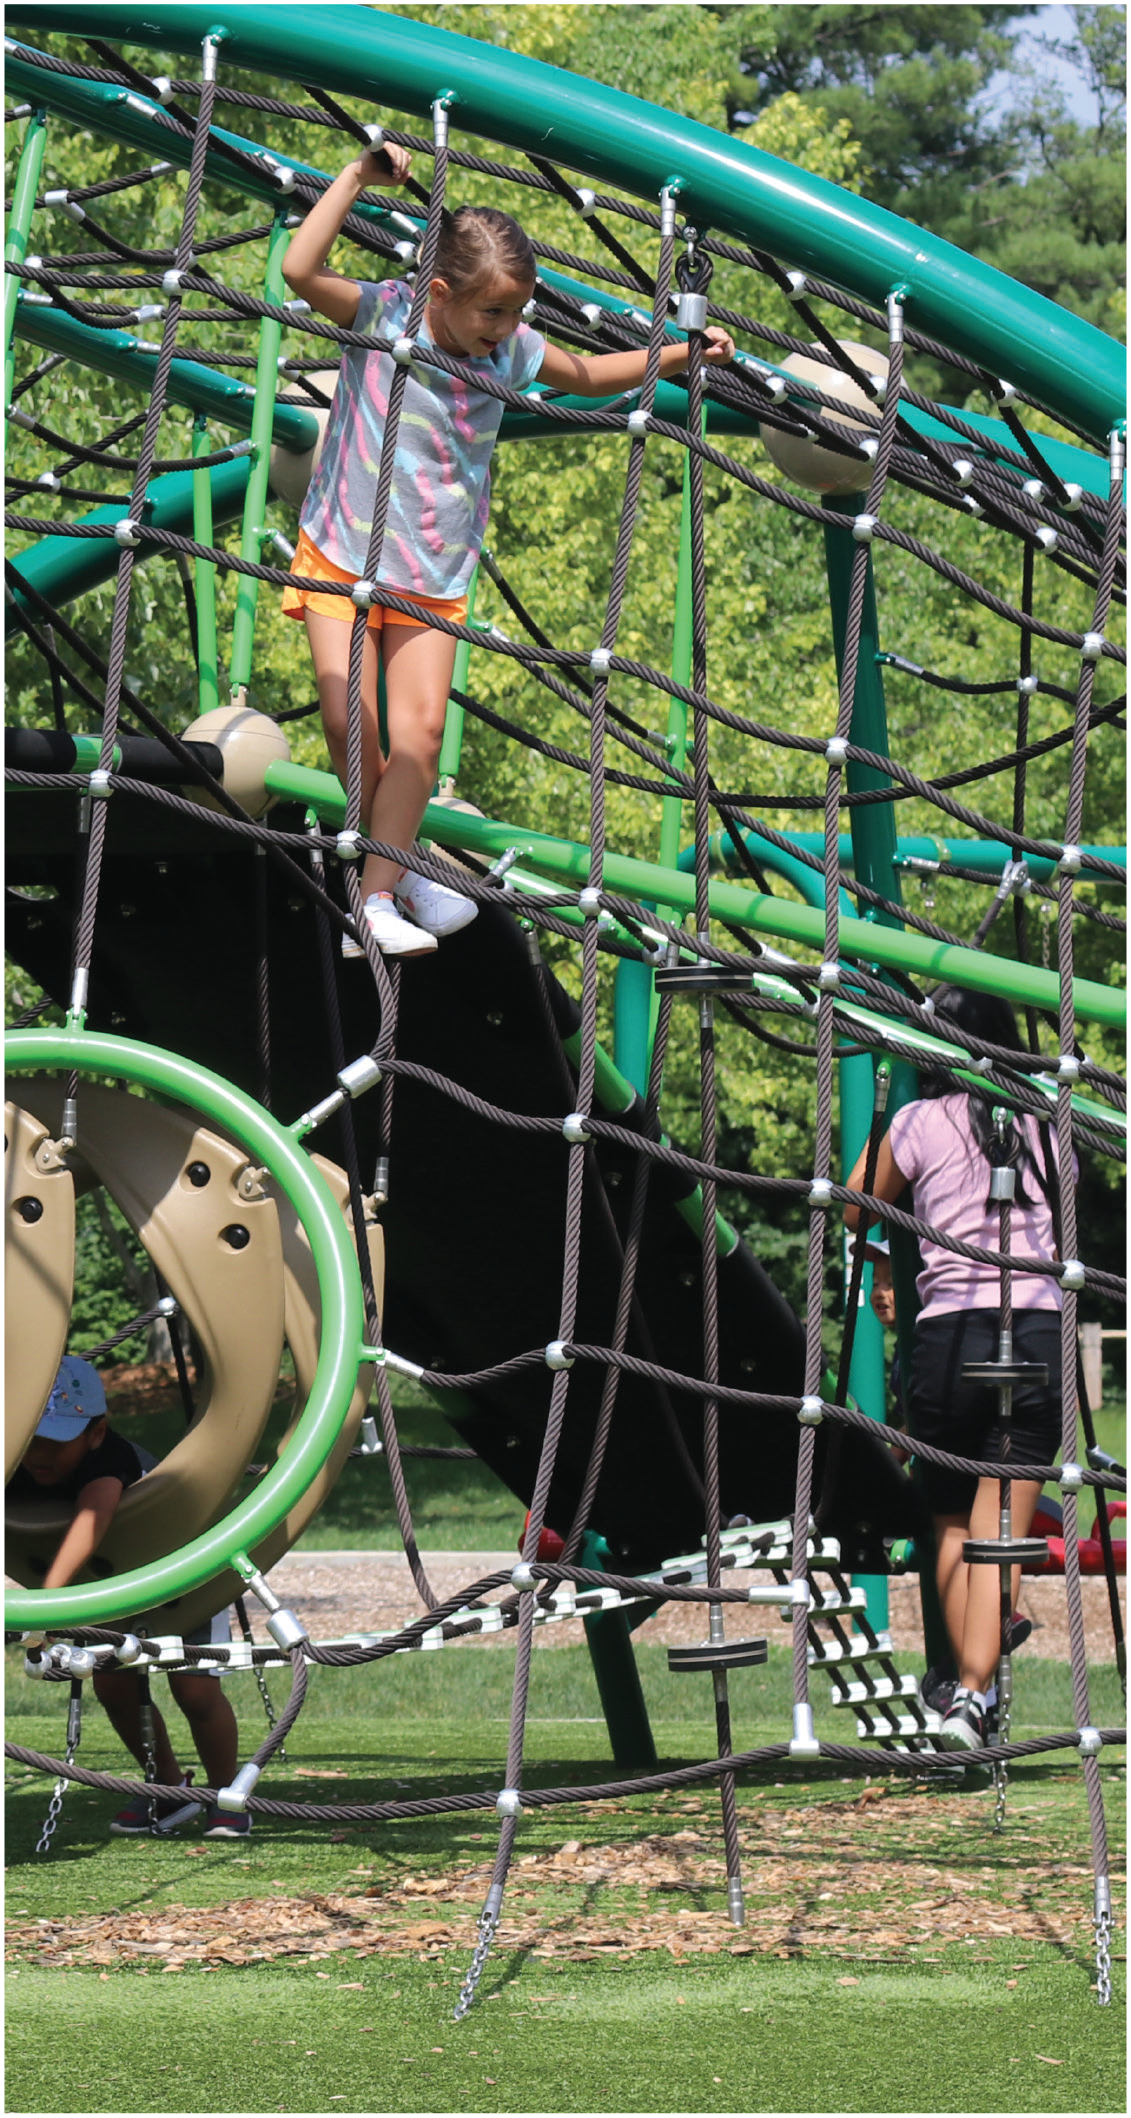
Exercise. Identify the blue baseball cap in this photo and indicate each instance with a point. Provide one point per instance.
(77, 1397)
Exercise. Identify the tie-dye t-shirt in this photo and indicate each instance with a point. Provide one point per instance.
(441, 490)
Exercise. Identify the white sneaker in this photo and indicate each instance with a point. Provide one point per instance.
(393, 935)
(433, 906)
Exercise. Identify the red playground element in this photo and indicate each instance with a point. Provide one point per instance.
(1047, 1522)
(550, 1545)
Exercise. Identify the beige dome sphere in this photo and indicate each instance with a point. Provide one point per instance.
(822, 470)
(288, 474)
(249, 742)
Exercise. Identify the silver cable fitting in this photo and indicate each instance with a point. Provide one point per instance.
(64, 203)
(126, 533)
(49, 483)
(1068, 1069)
(811, 1413)
(347, 845)
(691, 312)
(1035, 491)
(796, 286)
(586, 201)
(575, 1130)
(1047, 538)
(523, 1577)
(1093, 646)
(821, 1192)
(359, 1075)
(828, 978)
(1071, 860)
(234, 1798)
(1005, 392)
(83, 1661)
(593, 313)
(286, 1630)
(1073, 500)
(409, 254)
(589, 902)
(1027, 686)
(600, 661)
(173, 280)
(973, 507)
(864, 528)
(1089, 1742)
(98, 785)
(804, 1744)
(1071, 1477)
(509, 1802)
(962, 470)
(128, 1650)
(168, 1305)
(836, 750)
(638, 422)
(375, 134)
(1073, 1274)
(147, 312)
(362, 594)
(403, 350)
(556, 1356)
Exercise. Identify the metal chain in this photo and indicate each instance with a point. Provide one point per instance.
(260, 1678)
(1001, 1782)
(74, 1734)
(487, 1924)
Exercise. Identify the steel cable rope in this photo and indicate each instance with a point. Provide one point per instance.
(1064, 1126)
(921, 1765)
(500, 644)
(532, 909)
(585, 1091)
(693, 275)
(85, 924)
(373, 1322)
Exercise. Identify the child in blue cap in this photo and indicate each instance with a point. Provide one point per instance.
(76, 1455)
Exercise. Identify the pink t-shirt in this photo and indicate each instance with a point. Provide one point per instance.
(949, 1176)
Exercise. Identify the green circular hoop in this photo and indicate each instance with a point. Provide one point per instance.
(340, 1354)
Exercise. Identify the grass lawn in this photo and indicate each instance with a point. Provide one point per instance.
(899, 1955)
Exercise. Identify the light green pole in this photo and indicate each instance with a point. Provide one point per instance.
(19, 228)
(204, 574)
(266, 381)
(451, 749)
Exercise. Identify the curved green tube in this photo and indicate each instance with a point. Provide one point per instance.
(724, 183)
(339, 1355)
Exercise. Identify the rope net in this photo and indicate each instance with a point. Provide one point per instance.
(1005, 543)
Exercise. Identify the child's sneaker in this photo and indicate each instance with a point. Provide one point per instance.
(167, 1813)
(964, 1724)
(393, 935)
(433, 906)
(226, 1823)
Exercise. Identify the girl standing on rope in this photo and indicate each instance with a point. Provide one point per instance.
(939, 1147)
(484, 277)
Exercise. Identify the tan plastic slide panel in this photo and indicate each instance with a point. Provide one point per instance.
(39, 1273)
(302, 1325)
(214, 1237)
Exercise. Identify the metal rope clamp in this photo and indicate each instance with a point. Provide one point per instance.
(693, 276)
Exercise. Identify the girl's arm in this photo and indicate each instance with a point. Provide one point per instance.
(304, 266)
(888, 1183)
(95, 1510)
(603, 374)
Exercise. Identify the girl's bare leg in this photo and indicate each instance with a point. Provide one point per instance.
(418, 677)
(980, 1643)
(330, 651)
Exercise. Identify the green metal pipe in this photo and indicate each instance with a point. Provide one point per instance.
(64, 567)
(725, 183)
(451, 748)
(19, 228)
(1024, 984)
(341, 1346)
(984, 854)
(204, 575)
(120, 354)
(262, 424)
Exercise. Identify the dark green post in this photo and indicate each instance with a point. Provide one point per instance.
(614, 1665)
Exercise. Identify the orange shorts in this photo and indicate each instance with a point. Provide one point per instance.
(309, 564)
